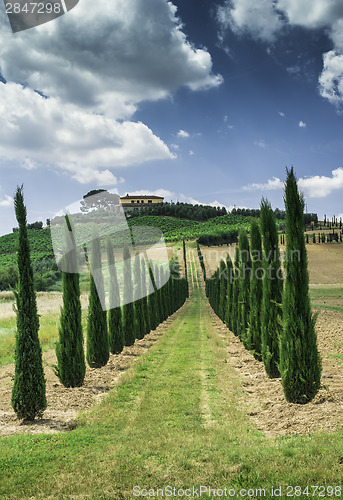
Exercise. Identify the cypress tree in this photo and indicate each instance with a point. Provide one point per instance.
(138, 305)
(300, 362)
(159, 293)
(28, 393)
(128, 308)
(256, 291)
(145, 307)
(272, 292)
(229, 287)
(71, 366)
(185, 261)
(235, 292)
(115, 326)
(244, 285)
(153, 305)
(97, 333)
(164, 295)
(222, 289)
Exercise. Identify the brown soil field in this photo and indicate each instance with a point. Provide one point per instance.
(64, 404)
(47, 302)
(325, 261)
(267, 407)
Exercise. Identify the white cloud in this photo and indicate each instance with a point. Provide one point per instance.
(260, 143)
(282, 114)
(271, 185)
(331, 78)
(317, 186)
(311, 13)
(302, 124)
(320, 186)
(265, 19)
(191, 152)
(96, 65)
(40, 131)
(183, 133)
(259, 18)
(7, 202)
(176, 147)
(107, 55)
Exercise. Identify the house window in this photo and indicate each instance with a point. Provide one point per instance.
(149, 201)
(142, 201)
(132, 201)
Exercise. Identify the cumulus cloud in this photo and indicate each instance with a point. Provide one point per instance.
(7, 201)
(259, 18)
(272, 184)
(95, 65)
(317, 186)
(40, 131)
(320, 186)
(302, 124)
(331, 78)
(266, 19)
(282, 114)
(108, 55)
(183, 133)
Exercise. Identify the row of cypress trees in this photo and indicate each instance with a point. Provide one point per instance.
(122, 325)
(269, 312)
(106, 332)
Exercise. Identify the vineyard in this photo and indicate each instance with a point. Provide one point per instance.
(172, 229)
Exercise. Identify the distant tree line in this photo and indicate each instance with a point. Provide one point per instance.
(180, 210)
(34, 225)
(278, 214)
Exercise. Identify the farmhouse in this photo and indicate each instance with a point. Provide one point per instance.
(139, 201)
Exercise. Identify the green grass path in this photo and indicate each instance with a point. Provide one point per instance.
(178, 418)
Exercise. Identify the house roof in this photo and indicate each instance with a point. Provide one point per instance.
(143, 196)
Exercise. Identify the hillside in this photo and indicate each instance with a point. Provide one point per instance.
(173, 230)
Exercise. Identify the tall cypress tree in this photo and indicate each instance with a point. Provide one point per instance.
(300, 361)
(229, 288)
(272, 292)
(138, 305)
(222, 289)
(71, 366)
(97, 332)
(185, 261)
(153, 304)
(28, 393)
(115, 327)
(244, 285)
(128, 308)
(256, 291)
(158, 293)
(235, 292)
(145, 306)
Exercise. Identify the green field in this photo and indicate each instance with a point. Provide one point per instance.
(172, 229)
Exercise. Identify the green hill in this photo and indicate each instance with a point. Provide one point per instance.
(213, 231)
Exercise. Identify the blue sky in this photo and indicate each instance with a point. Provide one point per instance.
(200, 101)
